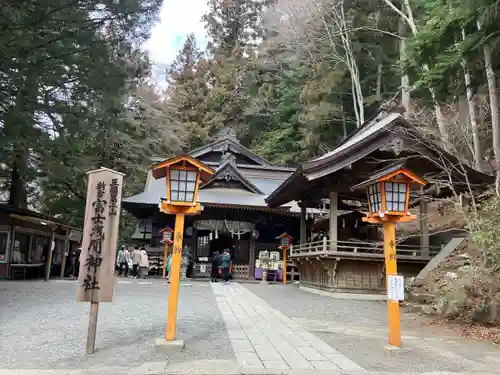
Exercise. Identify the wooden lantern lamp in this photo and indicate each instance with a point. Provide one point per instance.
(388, 193)
(183, 176)
(285, 243)
(167, 239)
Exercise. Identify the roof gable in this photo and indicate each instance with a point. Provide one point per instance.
(387, 132)
(225, 145)
(228, 172)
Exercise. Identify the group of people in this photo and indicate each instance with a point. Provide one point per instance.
(138, 259)
(222, 262)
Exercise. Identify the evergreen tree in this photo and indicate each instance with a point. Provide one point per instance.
(58, 59)
(234, 29)
(188, 88)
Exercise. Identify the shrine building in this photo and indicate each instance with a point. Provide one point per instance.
(343, 253)
(234, 212)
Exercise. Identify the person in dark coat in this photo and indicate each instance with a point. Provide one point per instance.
(77, 263)
(189, 268)
(226, 265)
(215, 266)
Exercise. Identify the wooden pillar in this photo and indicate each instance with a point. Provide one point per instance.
(48, 261)
(424, 227)
(303, 225)
(65, 252)
(333, 220)
(30, 246)
(251, 260)
(10, 248)
(11, 236)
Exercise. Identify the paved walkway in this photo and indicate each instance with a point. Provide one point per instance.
(230, 329)
(358, 330)
(263, 337)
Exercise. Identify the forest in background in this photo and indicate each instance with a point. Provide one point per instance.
(292, 77)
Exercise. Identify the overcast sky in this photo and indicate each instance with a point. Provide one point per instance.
(178, 18)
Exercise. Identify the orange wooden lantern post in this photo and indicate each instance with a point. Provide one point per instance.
(388, 197)
(168, 234)
(285, 242)
(183, 175)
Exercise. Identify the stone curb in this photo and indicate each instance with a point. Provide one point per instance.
(141, 371)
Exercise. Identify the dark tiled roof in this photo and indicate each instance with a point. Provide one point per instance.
(156, 190)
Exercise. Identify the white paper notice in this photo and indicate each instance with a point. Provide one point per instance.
(203, 268)
(396, 288)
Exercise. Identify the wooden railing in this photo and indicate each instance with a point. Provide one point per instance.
(361, 249)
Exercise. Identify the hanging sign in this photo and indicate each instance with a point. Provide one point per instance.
(395, 288)
(100, 233)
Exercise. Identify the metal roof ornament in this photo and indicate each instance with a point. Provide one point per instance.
(227, 155)
(227, 132)
(396, 145)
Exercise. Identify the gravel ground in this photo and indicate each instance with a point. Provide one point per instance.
(42, 326)
(297, 303)
(358, 330)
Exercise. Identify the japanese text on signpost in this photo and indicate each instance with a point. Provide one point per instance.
(100, 233)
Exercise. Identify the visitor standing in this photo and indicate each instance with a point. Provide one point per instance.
(123, 260)
(136, 257)
(77, 263)
(169, 266)
(226, 264)
(215, 266)
(143, 264)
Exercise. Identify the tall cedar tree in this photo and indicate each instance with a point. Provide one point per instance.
(58, 59)
(187, 91)
(234, 30)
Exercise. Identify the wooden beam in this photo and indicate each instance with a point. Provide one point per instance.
(333, 220)
(303, 226)
(48, 260)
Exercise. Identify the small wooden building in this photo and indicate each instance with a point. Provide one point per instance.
(30, 241)
(234, 212)
(337, 263)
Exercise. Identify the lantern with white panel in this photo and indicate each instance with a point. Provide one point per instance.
(168, 235)
(167, 239)
(285, 243)
(388, 193)
(183, 175)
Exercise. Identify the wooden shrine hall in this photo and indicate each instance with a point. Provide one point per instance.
(234, 212)
(353, 259)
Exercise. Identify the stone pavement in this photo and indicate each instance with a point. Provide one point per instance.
(358, 329)
(228, 330)
(263, 337)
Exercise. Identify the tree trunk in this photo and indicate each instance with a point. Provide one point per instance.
(16, 129)
(471, 102)
(344, 125)
(17, 190)
(378, 92)
(495, 123)
(406, 14)
(405, 80)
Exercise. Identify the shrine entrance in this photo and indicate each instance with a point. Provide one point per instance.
(223, 241)
(217, 235)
